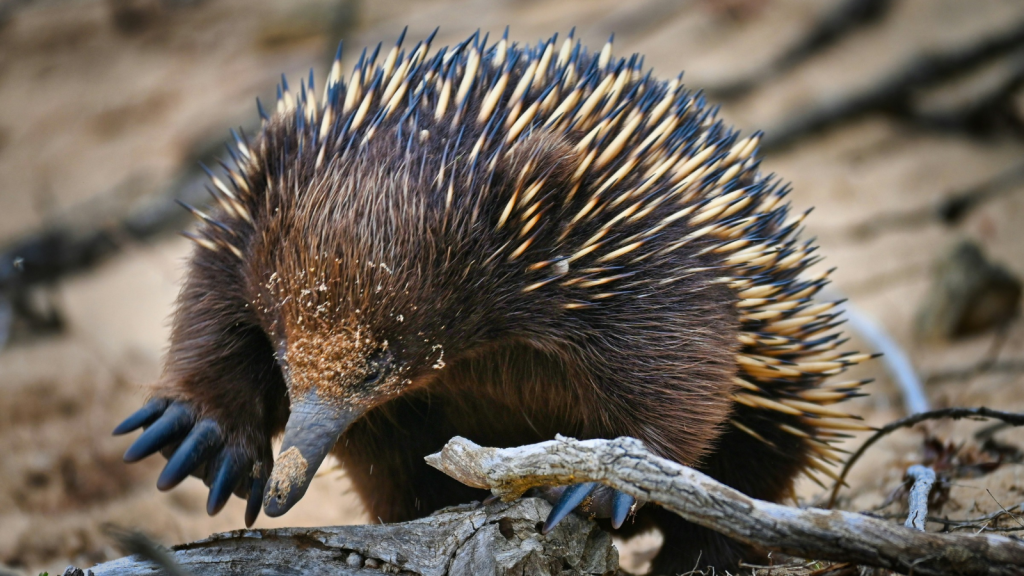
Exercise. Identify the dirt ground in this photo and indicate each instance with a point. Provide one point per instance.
(111, 99)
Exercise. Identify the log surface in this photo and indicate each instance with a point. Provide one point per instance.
(496, 540)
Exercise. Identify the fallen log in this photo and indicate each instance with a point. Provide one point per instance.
(496, 540)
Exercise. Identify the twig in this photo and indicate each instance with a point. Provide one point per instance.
(1011, 418)
(924, 479)
(960, 524)
(895, 91)
(950, 209)
(624, 464)
(1003, 508)
(991, 112)
(832, 27)
(983, 367)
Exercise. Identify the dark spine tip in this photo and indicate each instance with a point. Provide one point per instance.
(206, 169)
(168, 429)
(204, 440)
(143, 416)
(572, 497)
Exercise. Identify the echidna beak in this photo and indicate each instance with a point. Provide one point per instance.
(311, 432)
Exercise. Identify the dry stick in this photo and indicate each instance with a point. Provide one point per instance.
(1011, 418)
(983, 367)
(979, 523)
(833, 26)
(893, 92)
(949, 209)
(924, 479)
(624, 464)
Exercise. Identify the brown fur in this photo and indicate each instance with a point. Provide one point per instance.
(372, 251)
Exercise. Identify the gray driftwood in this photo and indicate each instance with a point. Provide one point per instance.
(924, 479)
(819, 534)
(496, 540)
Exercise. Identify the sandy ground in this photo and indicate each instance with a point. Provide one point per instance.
(110, 98)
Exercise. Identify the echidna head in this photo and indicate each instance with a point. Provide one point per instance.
(352, 297)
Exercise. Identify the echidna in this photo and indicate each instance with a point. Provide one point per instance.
(501, 242)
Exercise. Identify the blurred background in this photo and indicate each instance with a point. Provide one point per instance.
(901, 121)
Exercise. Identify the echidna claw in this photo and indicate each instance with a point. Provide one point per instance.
(255, 502)
(572, 497)
(594, 500)
(228, 472)
(622, 504)
(202, 442)
(172, 425)
(143, 416)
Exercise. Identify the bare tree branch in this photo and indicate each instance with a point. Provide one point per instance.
(894, 92)
(833, 26)
(1011, 418)
(924, 479)
(624, 464)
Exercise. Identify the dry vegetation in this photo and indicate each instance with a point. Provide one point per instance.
(104, 105)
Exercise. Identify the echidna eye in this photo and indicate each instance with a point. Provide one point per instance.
(375, 366)
(373, 375)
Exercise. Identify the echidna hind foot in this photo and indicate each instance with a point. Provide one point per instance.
(503, 242)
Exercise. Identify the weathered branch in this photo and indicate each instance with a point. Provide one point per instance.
(949, 209)
(1011, 418)
(93, 232)
(893, 93)
(626, 465)
(830, 28)
(500, 539)
(924, 479)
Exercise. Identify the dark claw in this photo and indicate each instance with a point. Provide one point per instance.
(252, 507)
(622, 503)
(204, 440)
(571, 498)
(171, 427)
(229, 472)
(143, 416)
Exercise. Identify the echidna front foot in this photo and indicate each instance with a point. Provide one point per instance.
(194, 446)
(590, 498)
